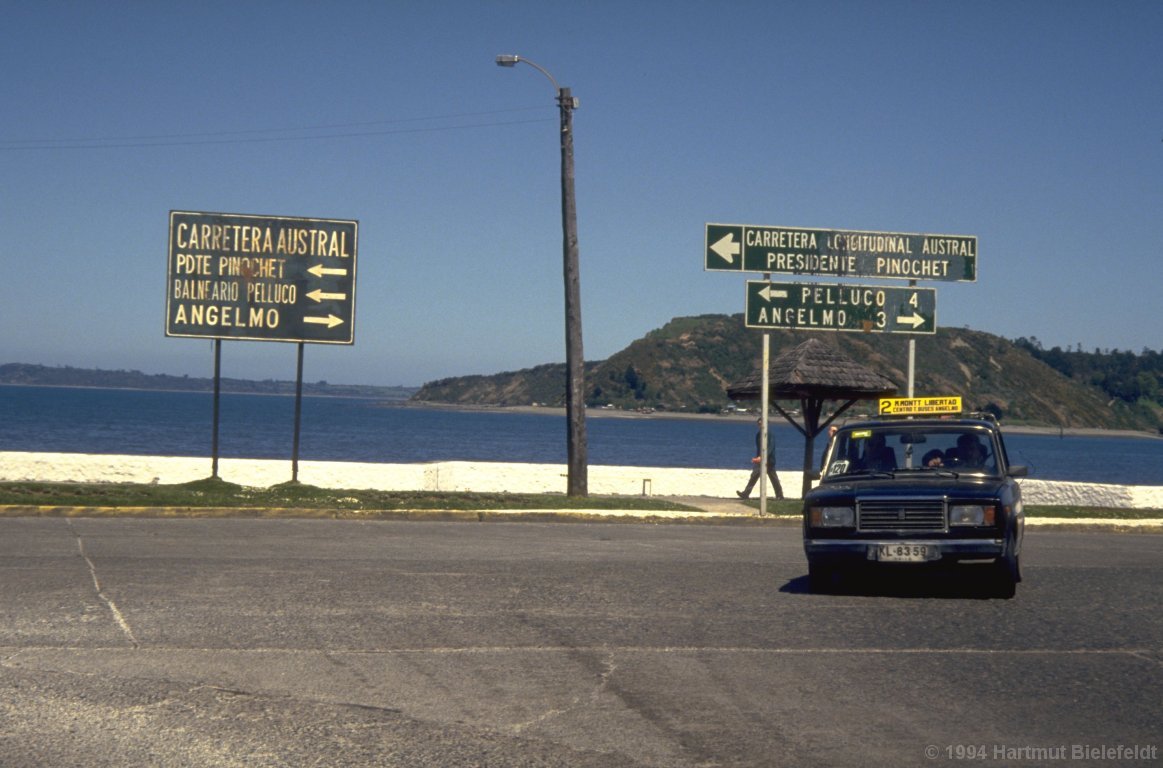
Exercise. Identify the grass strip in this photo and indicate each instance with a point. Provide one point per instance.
(218, 493)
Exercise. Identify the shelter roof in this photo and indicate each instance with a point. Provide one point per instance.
(815, 370)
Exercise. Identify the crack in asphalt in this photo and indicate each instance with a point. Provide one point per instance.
(117, 615)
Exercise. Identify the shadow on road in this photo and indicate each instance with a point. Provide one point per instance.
(963, 581)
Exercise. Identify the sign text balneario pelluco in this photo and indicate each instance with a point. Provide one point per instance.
(261, 277)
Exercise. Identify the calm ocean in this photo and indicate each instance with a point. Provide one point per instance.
(59, 420)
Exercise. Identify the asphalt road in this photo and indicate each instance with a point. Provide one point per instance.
(188, 642)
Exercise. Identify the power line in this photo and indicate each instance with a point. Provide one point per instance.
(268, 135)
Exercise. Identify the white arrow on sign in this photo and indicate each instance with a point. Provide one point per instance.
(319, 271)
(319, 294)
(330, 321)
(768, 293)
(727, 248)
(914, 320)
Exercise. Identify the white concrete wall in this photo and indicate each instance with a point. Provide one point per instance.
(481, 477)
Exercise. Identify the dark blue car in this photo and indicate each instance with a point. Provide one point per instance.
(910, 493)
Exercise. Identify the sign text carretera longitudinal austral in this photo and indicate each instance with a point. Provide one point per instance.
(268, 278)
(840, 253)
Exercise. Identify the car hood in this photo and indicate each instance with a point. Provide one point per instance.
(911, 485)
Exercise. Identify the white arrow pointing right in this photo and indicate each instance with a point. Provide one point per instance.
(914, 320)
(330, 321)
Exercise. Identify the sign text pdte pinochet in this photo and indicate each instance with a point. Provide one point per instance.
(264, 278)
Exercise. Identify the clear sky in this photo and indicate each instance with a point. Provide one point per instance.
(1036, 126)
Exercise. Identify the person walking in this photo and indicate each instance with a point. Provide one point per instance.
(758, 468)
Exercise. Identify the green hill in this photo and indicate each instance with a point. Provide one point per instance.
(687, 364)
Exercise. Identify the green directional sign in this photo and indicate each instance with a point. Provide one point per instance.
(263, 278)
(834, 307)
(840, 253)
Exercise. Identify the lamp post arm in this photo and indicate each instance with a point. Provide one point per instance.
(512, 61)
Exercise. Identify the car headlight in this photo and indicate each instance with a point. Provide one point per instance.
(833, 517)
(972, 514)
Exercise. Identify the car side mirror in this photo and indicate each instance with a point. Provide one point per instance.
(1019, 470)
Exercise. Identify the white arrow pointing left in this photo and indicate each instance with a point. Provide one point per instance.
(727, 248)
(319, 271)
(319, 294)
(769, 292)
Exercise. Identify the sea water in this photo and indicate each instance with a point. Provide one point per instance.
(76, 420)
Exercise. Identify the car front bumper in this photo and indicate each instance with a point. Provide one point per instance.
(868, 550)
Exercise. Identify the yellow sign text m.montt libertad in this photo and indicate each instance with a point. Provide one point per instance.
(919, 406)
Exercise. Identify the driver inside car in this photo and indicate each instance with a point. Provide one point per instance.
(878, 456)
(971, 451)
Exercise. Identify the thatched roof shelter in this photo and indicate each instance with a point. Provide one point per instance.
(812, 373)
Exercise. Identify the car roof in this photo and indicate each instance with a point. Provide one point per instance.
(972, 420)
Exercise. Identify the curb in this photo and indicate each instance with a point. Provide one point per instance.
(430, 515)
(652, 517)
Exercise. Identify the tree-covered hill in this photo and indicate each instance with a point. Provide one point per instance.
(687, 364)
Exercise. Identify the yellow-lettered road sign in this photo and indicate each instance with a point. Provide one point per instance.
(919, 406)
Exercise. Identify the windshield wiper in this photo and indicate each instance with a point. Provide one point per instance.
(942, 471)
(871, 473)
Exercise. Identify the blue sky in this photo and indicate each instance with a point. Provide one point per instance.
(1036, 126)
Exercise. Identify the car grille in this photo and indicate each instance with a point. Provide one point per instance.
(901, 515)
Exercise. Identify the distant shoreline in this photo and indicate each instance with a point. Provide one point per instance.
(614, 413)
(593, 413)
(309, 390)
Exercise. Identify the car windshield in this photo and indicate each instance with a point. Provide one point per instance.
(872, 449)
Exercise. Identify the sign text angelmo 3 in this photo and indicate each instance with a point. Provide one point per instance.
(267, 278)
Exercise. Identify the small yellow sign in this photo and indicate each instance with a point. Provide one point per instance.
(919, 406)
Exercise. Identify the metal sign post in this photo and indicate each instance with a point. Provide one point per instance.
(765, 389)
(217, 398)
(298, 416)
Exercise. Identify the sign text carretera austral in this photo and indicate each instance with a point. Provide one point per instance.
(840, 253)
(264, 278)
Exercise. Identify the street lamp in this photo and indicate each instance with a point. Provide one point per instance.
(575, 413)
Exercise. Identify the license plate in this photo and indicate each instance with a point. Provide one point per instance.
(903, 553)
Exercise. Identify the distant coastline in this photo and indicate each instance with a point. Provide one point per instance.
(28, 375)
(308, 391)
(748, 416)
